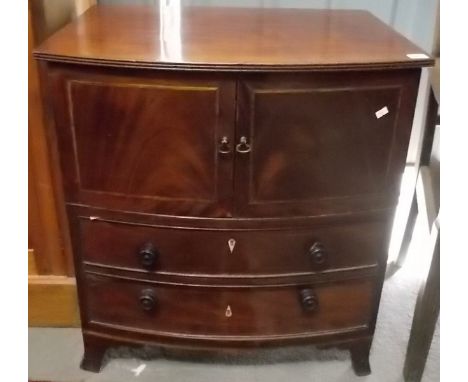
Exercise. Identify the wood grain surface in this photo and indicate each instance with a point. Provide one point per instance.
(230, 38)
(240, 193)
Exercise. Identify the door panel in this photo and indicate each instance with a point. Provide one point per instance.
(146, 142)
(322, 143)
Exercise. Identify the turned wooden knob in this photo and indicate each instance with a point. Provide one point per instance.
(148, 255)
(148, 300)
(318, 254)
(309, 300)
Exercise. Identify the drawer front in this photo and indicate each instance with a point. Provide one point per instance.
(224, 252)
(173, 310)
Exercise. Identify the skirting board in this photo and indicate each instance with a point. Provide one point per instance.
(52, 301)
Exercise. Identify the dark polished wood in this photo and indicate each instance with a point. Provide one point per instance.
(122, 153)
(240, 194)
(254, 252)
(230, 38)
(304, 129)
(360, 357)
(109, 153)
(227, 314)
(93, 356)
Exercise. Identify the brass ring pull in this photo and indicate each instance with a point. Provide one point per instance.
(243, 147)
(224, 146)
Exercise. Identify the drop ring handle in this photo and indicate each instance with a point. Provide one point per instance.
(243, 147)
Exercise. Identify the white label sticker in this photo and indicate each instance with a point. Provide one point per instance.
(380, 113)
(417, 56)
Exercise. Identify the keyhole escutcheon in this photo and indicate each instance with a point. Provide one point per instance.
(231, 245)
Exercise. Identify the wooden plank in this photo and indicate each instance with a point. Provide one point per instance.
(427, 205)
(407, 210)
(45, 234)
(429, 130)
(32, 268)
(408, 233)
(425, 316)
(52, 301)
(423, 175)
(428, 303)
(34, 226)
(46, 213)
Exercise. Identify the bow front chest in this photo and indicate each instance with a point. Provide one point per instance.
(230, 175)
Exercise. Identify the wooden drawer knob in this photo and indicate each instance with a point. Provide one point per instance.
(148, 256)
(318, 254)
(309, 300)
(148, 300)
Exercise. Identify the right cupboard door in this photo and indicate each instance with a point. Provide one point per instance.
(322, 143)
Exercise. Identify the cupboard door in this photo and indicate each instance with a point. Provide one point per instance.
(143, 141)
(322, 143)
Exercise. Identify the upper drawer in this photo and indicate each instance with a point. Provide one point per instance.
(190, 251)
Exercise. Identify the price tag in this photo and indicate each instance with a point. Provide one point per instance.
(380, 113)
(417, 56)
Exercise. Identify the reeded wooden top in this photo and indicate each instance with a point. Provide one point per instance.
(231, 39)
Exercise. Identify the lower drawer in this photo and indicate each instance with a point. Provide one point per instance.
(259, 313)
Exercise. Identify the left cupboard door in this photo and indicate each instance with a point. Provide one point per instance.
(145, 141)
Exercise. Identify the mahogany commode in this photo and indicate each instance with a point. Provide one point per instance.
(230, 175)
